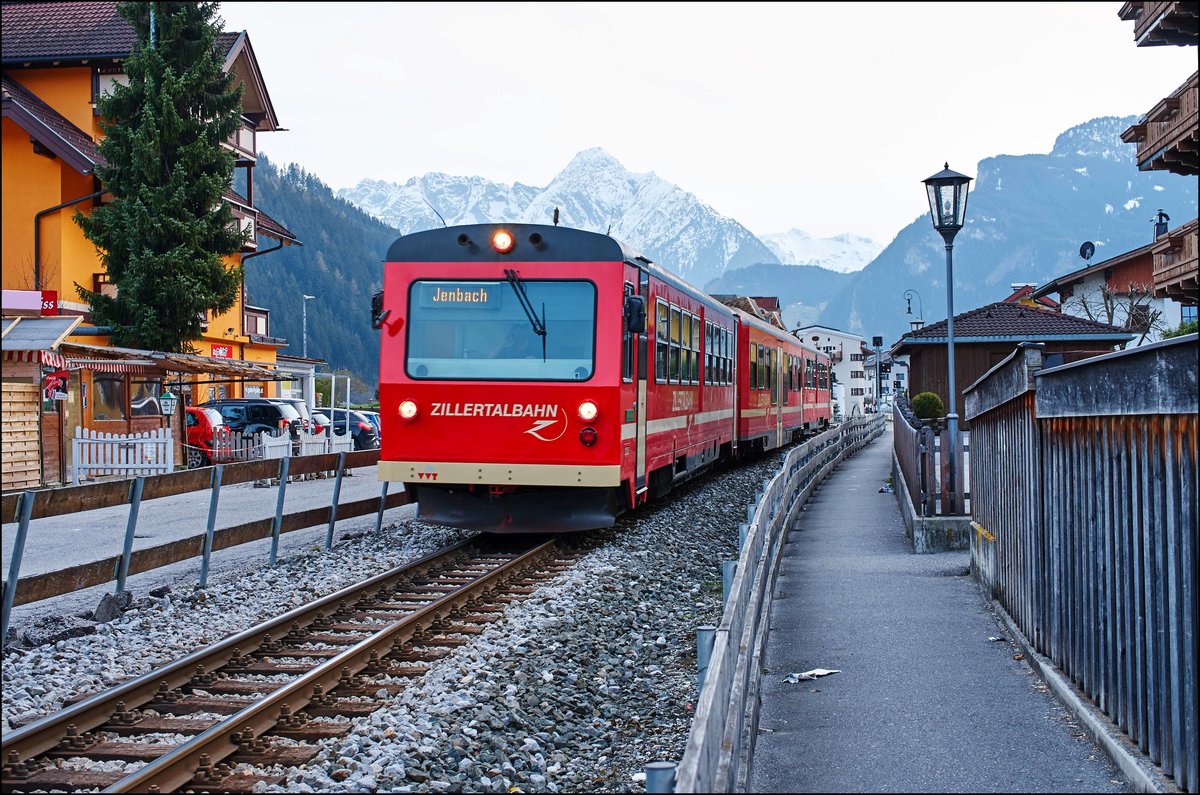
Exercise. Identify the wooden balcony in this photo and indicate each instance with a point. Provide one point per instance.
(1166, 136)
(1162, 23)
(1177, 265)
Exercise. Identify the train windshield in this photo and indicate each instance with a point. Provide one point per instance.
(483, 330)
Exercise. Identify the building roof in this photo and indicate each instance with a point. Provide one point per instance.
(51, 31)
(1004, 322)
(47, 126)
(1074, 277)
(55, 33)
(37, 333)
(1024, 292)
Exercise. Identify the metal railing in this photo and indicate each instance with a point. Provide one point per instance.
(23, 507)
(1086, 513)
(725, 725)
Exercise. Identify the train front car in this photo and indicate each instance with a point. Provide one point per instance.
(500, 375)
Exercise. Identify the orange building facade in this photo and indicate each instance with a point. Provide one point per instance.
(58, 58)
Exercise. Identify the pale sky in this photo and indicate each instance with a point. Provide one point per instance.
(819, 116)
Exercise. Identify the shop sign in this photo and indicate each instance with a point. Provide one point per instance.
(222, 351)
(55, 385)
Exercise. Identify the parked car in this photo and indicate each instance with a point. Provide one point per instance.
(361, 428)
(252, 415)
(373, 416)
(301, 406)
(203, 425)
(320, 422)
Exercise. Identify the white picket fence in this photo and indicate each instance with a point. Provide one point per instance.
(150, 453)
(97, 453)
(262, 445)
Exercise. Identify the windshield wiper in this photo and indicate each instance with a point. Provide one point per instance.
(539, 326)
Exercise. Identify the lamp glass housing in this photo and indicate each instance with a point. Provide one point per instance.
(947, 193)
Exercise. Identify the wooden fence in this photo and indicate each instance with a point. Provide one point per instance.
(1085, 518)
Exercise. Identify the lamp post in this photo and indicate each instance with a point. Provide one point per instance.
(916, 324)
(167, 403)
(304, 320)
(947, 192)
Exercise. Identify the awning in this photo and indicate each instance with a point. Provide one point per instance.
(37, 333)
(126, 360)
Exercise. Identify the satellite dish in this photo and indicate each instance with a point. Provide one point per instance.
(1087, 250)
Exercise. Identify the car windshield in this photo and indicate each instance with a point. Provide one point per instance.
(480, 330)
(214, 417)
(320, 419)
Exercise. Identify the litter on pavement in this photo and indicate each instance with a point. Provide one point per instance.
(813, 674)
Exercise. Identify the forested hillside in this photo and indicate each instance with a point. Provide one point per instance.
(340, 262)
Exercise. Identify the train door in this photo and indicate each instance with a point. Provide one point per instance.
(640, 375)
(777, 371)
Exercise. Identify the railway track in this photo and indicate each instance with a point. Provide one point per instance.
(226, 716)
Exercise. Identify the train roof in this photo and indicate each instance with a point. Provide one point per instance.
(553, 243)
(750, 320)
(557, 244)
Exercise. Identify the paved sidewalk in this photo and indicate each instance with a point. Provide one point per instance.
(923, 701)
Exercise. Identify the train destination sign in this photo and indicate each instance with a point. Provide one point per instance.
(458, 295)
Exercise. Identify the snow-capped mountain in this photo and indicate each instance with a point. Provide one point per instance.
(845, 253)
(1027, 217)
(594, 192)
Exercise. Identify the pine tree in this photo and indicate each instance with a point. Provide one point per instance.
(164, 234)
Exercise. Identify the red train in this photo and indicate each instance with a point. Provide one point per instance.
(540, 379)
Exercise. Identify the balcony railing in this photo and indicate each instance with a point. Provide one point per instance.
(1177, 263)
(1166, 136)
(1159, 23)
(242, 142)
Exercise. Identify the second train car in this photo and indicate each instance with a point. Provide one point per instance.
(544, 379)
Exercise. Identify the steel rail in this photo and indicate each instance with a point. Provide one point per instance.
(179, 766)
(46, 733)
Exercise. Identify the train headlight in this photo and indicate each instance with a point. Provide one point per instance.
(588, 411)
(408, 410)
(502, 241)
(588, 436)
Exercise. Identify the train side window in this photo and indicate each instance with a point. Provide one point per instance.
(727, 354)
(707, 377)
(662, 330)
(695, 349)
(685, 347)
(675, 362)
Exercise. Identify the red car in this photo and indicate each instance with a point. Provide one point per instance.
(206, 430)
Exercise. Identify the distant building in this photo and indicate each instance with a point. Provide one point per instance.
(848, 354)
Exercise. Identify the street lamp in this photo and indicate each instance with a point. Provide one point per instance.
(168, 402)
(947, 191)
(916, 324)
(304, 317)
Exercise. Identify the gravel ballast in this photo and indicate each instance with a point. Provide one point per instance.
(581, 685)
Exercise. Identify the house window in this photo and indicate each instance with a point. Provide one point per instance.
(108, 397)
(143, 399)
(1187, 314)
(101, 285)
